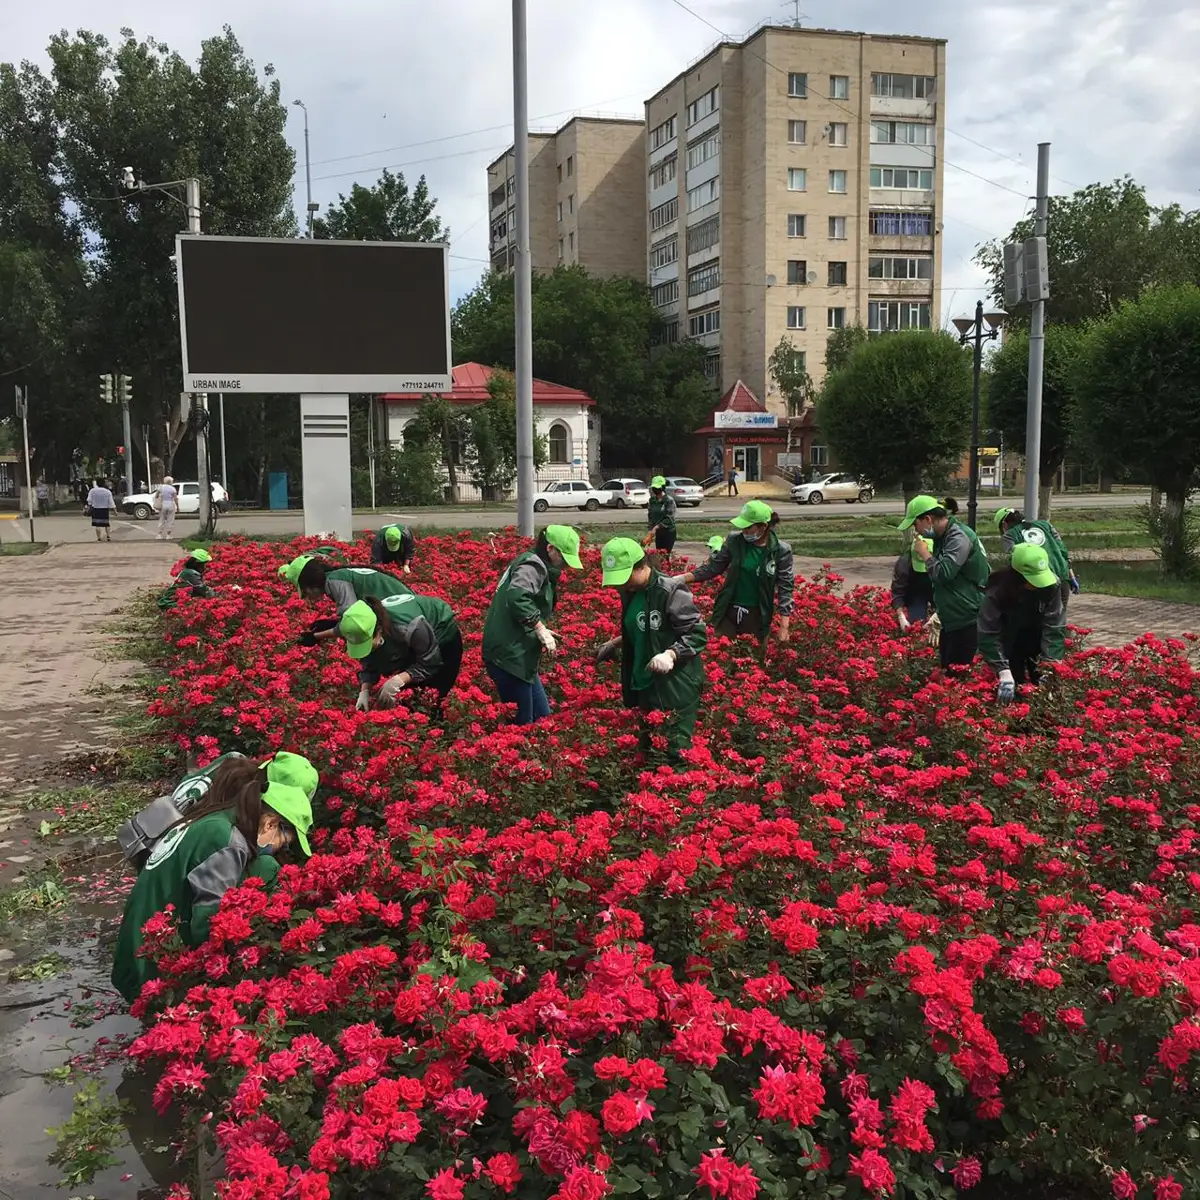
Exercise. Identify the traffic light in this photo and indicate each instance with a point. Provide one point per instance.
(106, 388)
(125, 389)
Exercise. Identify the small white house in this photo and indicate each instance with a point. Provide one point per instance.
(564, 416)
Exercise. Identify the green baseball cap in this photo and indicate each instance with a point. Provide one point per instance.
(1002, 515)
(658, 481)
(754, 512)
(918, 506)
(1034, 564)
(566, 541)
(358, 626)
(291, 571)
(619, 557)
(293, 770)
(200, 556)
(917, 561)
(294, 807)
(393, 535)
(715, 543)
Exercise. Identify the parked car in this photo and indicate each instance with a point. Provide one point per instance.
(142, 505)
(569, 493)
(834, 487)
(626, 493)
(685, 491)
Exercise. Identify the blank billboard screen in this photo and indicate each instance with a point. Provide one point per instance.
(291, 315)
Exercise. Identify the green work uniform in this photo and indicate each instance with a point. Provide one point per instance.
(525, 595)
(347, 585)
(663, 616)
(190, 867)
(755, 577)
(420, 627)
(1043, 534)
(959, 571)
(1018, 621)
(661, 513)
(187, 578)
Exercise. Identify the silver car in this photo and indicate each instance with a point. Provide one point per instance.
(838, 486)
(684, 490)
(626, 493)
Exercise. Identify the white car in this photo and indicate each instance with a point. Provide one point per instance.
(569, 493)
(143, 505)
(834, 487)
(626, 493)
(684, 490)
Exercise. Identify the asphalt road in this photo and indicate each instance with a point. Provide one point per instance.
(73, 528)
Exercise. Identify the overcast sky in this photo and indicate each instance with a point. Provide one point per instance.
(426, 87)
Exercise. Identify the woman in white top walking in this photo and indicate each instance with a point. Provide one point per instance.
(101, 504)
(166, 508)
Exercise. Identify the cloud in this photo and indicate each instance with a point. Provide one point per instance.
(427, 88)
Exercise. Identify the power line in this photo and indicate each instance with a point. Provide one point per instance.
(410, 163)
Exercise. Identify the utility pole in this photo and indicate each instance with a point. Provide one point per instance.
(523, 282)
(224, 455)
(125, 392)
(311, 207)
(23, 417)
(1037, 340)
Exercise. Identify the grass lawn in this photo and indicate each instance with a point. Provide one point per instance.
(1142, 580)
(17, 549)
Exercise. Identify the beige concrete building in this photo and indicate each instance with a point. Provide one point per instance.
(795, 186)
(587, 199)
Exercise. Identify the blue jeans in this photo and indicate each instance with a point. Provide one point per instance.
(530, 698)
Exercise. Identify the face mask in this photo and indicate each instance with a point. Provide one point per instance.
(269, 848)
(752, 535)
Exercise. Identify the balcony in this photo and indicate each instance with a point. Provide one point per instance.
(910, 243)
(914, 289)
(897, 108)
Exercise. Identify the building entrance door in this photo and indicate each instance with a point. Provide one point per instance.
(747, 461)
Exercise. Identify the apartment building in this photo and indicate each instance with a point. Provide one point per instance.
(587, 199)
(794, 186)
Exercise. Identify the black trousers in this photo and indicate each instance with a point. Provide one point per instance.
(446, 675)
(1023, 651)
(664, 540)
(957, 647)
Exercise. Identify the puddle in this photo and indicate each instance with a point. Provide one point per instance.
(72, 1019)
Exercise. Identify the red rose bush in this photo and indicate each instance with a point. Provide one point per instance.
(874, 937)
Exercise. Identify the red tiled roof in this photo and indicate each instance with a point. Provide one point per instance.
(471, 387)
(740, 398)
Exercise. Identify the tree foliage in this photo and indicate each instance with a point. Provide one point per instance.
(787, 367)
(491, 450)
(1136, 402)
(841, 345)
(899, 412)
(385, 212)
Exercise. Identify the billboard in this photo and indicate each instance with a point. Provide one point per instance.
(745, 420)
(292, 315)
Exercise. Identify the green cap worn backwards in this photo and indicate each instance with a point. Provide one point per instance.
(293, 770)
(1002, 515)
(291, 571)
(358, 626)
(618, 558)
(715, 543)
(392, 536)
(918, 506)
(566, 541)
(754, 512)
(917, 561)
(294, 807)
(1034, 564)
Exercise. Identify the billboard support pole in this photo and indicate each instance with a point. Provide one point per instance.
(192, 202)
(523, 282)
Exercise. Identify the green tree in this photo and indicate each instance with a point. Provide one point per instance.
(1135, 405)
(899, 412)
(385, 212)
(443, 429)
(492, 445)
(788, 369)
(841, 346)
(1008, 394)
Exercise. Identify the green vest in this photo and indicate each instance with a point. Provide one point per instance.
(394, 656)
(366, 581)
(187, 578)
(1042, 533)
(658, 514)
(958, 600)
(680, 689)
(766, 579)
(508, 638)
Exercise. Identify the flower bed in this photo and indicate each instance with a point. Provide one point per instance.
(877, 937)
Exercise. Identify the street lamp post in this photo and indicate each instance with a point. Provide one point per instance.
(311, 208)
(971, 330)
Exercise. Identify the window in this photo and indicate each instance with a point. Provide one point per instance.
(837, 229)
(705, 322)
(512, 185)
(571, 242)
(903, 87)
(885, 315)
(707, 147)
(795, 317)
(798, 85)
(839, 87)
(571, 203)
(560, 172)
(797, 132)
(704, 278)
(664, 214)
(668, 334)
(660, 135)
(908, 178)
(796, 224)
(664, 172)
(499, 229)
(704, 235)
(797, 270)
(839, 134)
(560, 249)
(837, 182)
(837, 274)
(559, 444)
(901, 224)
(797, 179)
(498, 196)
(665, 293)
(835, 318)
(699, 109)
(560, 212)
(903, 133)
(664, 253)
(889, 267)
(712, 366)
(706, 193)
(819, 456)
(570, 165)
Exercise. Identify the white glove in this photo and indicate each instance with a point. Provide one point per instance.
(392, 688)
(663, 664)
(933, 630)
(407, 569)
(544, 636)
(902, 620)
(1006, 690)
(364, 698)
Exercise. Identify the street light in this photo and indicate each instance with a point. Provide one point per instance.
(971, 329)
(312, 208)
